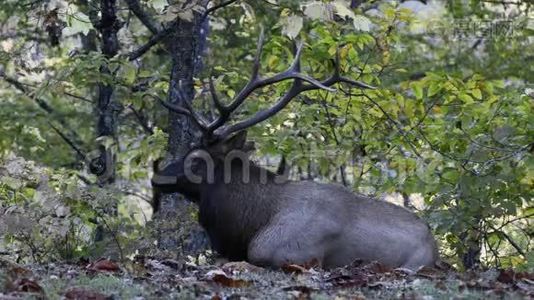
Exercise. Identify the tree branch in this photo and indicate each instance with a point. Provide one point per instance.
(40, 102)
(68, 141)
(509, 239)
(141, 119)
(145, 18)
(155, 39)
(214, 8)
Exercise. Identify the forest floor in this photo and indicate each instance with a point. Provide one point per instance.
(150, 278)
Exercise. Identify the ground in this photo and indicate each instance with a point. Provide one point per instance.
(150, 278)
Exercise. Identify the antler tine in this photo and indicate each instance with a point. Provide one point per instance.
(218, 104)
(296, 88)
(255, 82)
(257, 58)
(188, 111)
(263, 114)
(174, 108)
(251, 85)
(295, 65)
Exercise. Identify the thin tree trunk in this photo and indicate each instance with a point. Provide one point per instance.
(106, 108)
(177, 229)
(103, 165)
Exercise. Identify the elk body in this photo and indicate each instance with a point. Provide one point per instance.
(272, 222)
(251, 215)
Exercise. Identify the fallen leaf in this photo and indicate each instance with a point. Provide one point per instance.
(216, 297)
(173, 264)
(104, 265)
(83, 294)
(28, 286)
(354, 280)
(293, 268)
(377, 267)
(430, 273)
(220, 277)
(506, 276)
(240, 266)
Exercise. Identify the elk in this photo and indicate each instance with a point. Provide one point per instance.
(249, 214)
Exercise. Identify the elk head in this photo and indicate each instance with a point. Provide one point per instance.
(218, 137)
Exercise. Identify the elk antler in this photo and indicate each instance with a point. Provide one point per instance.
(215, 130)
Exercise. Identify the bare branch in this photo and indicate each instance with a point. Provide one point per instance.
(188, 111)
(41, 103)
(155, 39)
(212, 9)
(510, 240)
(145, 18)
(68, 141)
(142, 120)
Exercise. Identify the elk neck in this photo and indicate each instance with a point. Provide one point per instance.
(234, 208)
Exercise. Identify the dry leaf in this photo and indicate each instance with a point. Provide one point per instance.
(104, 265)
(82, 294)
(220, 277)
(28, 286)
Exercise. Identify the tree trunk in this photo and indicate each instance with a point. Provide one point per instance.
(177, 228)
(103, 162)
(106, 109)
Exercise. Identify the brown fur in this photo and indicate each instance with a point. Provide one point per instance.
(271, 224)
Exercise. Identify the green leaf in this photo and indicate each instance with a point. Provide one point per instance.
(78, 23)
(417, 90)
(466, 98)
(343, 10)
(477, 93)
(433, 89)
(451, 175)
(230, 93)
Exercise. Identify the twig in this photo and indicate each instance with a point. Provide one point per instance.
(334, 134)
(85, 179)
(153, 41)
(141, 120)
(40, 102)
(68, 141)
(78, 97)
(214, 8)
(391, 120)
(145, 18)
(509, 239)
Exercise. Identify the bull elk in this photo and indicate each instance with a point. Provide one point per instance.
(251, 215)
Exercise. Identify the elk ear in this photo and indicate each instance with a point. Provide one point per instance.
(237, 141)
(155, 165)
(249, 146)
